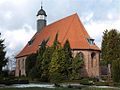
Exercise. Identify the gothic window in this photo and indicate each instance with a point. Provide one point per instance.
(19, 70)
(81, 55)
(19, 73)
(23, 64)
(93, 55)
(18, 62)
(78, 62)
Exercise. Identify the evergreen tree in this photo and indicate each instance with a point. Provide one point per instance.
(104, 47)
(68, 59)
(3, 60)
(34, 73)
(67, 49)
(56, 42)
(76, 66)
(116, 62)
(111, 49)
(40, 56)
(45, 63)
(57, 66)
(116, 70)
(113, 40)
(61, 61)
(30, 63)
(41, 50)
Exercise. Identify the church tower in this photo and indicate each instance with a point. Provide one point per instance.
(41, 19)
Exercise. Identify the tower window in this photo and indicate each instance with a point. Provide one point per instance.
(41, 17)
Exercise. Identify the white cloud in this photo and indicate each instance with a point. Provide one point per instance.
(12, 1)
(96, 28)
(110, 16)
(89, 17)
(16, 39)
(14, 14)
(8, 15)
(2, 1)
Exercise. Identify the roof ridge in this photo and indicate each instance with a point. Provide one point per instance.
(68, 28)
(62, 19)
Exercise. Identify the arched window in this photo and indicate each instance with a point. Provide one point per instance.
(93, 55)
(18, 63)
(22, 64)
(78, 62)
(19, 70)
(81, 56)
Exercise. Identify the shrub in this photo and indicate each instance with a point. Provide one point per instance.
(56, 78)
(102, 83)
(9, 81)
(34, 73)
(117, 84)
(85, 81)
(104, 77)
(5, 73)
(56, 85)
(94, 79)
(116, 70)
(69, 86)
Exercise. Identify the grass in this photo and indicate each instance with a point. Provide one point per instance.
(37, 89)
(98, 89)
(53, 89)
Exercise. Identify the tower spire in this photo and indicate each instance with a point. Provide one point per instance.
(41, 18)
(41, 4)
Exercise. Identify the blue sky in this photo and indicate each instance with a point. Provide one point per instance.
(18, 18)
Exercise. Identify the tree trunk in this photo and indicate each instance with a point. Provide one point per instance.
(109, 72)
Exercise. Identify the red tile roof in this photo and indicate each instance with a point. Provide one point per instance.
(69, 28)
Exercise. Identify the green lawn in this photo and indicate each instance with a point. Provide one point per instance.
(37, 89)
(98, 89)
(53, 89)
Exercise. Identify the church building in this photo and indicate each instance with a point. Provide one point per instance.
(69, 28)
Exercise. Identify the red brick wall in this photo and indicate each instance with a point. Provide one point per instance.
(20, 67)
(91, 66)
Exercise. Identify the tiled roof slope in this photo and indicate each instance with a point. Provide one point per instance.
(69, 28)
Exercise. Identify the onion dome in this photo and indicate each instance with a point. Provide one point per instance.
(41, 12)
